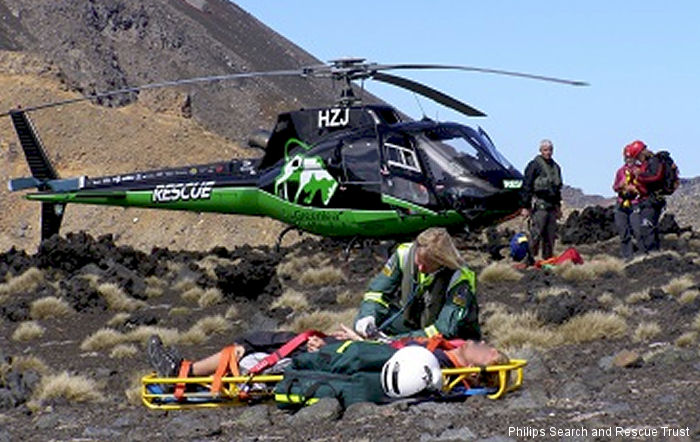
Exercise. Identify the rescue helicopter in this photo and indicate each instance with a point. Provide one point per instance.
(351, 170)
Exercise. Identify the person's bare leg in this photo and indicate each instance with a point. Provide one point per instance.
(206, 366)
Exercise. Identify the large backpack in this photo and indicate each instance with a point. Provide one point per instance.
(348, 371)
(670, 180)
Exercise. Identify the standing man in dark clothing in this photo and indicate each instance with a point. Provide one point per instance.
(542, 200)
(651, 175)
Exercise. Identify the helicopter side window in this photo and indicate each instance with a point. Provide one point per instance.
(401, 156)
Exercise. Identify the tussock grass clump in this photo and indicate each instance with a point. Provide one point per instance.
(210, 262)
(591, 326)
(547, 292)
(117, 299)
(292, 299)
(688, 296)
(606, 299)
(211, 296)
(27, 282)
(519, 330)
(24, 363)
(179, 311)
(213, 324)
(123, 351)
(101, 339)
(184, 285)
(141, 334)
(646, 331)
(72, 388)
(296, 265)
(327, 275)
(49, 307)
(686, 339)
(27, 331)
(232, 312)
(133, 391)
(696, 322)
(118, 319)
(155, 287)
(192, 295)
(636, 297)
(349, 298)
(622, 310)
(499, 272)
(153, 292)
(678, 285)
(598, 266)
(92, 279)
(193, 336)
(325, 321)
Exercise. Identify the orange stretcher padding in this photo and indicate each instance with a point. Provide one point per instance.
(241, 390)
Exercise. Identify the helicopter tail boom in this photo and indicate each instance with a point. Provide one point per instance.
(44, 176)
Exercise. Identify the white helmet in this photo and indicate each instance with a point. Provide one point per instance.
(411, 370)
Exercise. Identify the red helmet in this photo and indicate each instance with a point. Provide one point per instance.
(633, 149)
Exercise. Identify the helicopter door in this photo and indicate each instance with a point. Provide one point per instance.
(360, 180)
(402, 172)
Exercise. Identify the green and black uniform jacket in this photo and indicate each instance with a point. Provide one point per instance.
(443, 302)
(543, 182)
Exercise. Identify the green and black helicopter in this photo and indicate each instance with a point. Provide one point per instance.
(349, 170)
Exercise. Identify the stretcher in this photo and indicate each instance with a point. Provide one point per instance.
(178, 393)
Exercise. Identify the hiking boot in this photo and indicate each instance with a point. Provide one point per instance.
(165, 361)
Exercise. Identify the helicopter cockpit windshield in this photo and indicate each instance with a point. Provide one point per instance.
(459, 153)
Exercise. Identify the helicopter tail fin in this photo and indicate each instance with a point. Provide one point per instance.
(42, 170)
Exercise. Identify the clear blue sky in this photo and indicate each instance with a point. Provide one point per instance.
(642, 59)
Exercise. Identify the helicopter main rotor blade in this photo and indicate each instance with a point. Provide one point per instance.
(126, 90)
(386, 67)
(429, 92)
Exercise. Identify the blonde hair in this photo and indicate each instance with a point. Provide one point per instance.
(438, 247)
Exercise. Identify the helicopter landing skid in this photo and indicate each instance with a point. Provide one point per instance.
(287, 229)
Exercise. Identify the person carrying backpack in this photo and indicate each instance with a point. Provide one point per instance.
(659, 174)
(629, 193)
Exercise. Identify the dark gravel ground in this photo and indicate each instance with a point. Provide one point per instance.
(572, 389)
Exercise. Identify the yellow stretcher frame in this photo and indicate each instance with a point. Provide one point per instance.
(262, 387)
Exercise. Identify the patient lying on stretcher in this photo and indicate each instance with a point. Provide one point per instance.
(252, 348)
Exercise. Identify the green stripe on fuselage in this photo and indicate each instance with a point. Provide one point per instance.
(256, 202)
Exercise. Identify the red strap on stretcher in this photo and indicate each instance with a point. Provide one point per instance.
(180, 387)
(228, 361)
(284, 350)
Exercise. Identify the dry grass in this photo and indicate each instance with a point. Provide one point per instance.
(179, 311)
(696, 322)
(92, 279)
(324, 321)
(123, 351)
(24, 363)
(547, 292)
(184, 285)
(133, 392)
(27, 331)
(211, 296)
(646, 331)
(598, 266)
(210, 262)
(155, 287)
(327, 275)
(687, 339)
(606, 299)
(27, 282)
(232, 312)
(118, 300)
(636, 297)
(153, 292)
(592, 326)
(71, 388)
(622, 310)
(192, 295)
(293, 267)
(204, 328)
(518, 330)
(141, 334)
(349, 298)
(101, 339)
(678, 285)
(118, 319)
(499, 272)
(689, 296)
(49, 307)
(292, 299)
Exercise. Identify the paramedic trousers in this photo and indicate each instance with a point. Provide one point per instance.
(628, 221)
(543, 231)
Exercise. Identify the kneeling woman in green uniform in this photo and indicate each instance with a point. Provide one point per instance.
(424, 289)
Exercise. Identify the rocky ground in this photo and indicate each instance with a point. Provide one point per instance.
(610, 345)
